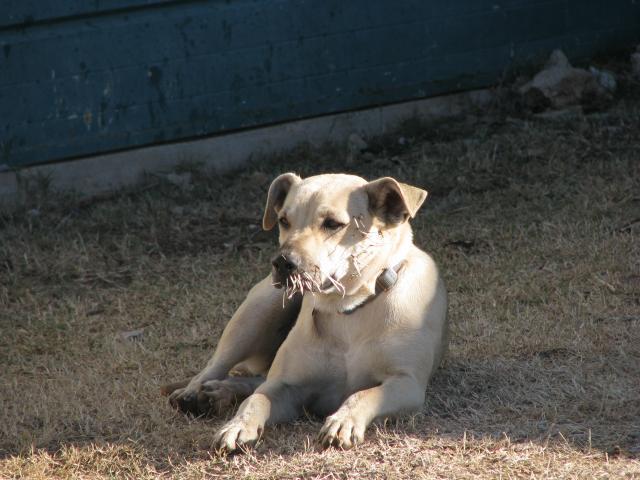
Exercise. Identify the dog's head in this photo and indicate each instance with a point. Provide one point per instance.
(337, 230)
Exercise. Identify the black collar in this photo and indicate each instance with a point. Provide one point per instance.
(385, 282)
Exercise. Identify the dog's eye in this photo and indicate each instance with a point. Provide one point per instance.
(284, 223)
(331, 224)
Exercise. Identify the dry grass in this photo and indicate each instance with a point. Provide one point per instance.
(535, 225)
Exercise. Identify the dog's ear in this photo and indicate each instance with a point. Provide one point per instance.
(275, 199)
(394, 202)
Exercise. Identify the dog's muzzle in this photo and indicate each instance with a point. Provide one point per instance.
(284, 264)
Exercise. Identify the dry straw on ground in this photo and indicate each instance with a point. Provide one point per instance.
(534, 223)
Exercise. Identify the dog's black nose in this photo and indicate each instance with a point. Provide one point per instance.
(283, 264)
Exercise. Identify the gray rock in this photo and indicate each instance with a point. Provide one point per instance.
(356, 143)
(605, 78)
(564, 85)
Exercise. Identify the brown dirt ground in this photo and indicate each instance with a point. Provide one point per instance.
(535, 224)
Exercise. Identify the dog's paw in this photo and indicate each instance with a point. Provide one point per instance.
(168, 388)
(218, 396)
(342, 430)
(237, 434)
(186, 400)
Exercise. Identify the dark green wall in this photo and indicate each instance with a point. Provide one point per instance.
(84, 77)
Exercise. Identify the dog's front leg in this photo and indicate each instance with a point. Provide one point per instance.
(187, 397)
(273, 402)
(345, 428)
(255, 331)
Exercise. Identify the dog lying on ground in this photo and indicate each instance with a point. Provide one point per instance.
(351, 323)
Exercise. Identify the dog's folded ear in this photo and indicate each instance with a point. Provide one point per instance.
(275, 199)
(394, 202)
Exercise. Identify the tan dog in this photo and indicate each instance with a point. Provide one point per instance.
(363, 323)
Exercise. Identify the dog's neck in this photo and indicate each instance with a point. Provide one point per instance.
(360, 287)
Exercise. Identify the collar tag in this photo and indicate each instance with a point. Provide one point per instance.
(386, 280)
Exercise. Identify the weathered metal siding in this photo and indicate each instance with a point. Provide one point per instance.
(79, 78)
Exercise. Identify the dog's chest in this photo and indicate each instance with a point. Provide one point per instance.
(350, 346)
(339, 332)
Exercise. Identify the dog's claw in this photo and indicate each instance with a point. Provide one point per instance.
(236, 435)
(342, 431)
